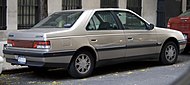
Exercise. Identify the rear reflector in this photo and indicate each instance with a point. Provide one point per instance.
(10, 43)
(41, 44)
(28, 44)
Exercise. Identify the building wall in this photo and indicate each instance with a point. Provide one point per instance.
(54, 6)
(149, 8)
(184, 5)
(11, 15)
(90, 4)
(122, 4)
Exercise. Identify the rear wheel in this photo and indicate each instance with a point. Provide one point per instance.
(82, 65)
(169, 53)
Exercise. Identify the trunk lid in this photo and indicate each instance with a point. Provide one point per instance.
(32, 38)
(32, 34)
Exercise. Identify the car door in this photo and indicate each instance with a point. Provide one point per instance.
(106, 36)
(139, 40)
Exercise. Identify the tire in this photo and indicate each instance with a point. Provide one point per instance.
(169, 53)
(82, 65)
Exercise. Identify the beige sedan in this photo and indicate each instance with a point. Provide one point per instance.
(80, 40)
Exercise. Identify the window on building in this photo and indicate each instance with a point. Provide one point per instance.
(71, 4)
(135, 5)
(165, 10)
(3, 15)
(188, 4)
(29, 13)
(109, 4)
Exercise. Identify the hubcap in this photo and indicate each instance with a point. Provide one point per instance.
(82, 63)
(170, 53)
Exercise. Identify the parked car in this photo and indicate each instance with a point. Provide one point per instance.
(80, 40)
(182, 23)
(1, 64)
(2, 42)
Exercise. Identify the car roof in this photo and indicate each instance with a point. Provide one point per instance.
(105, 9)
(99, 9)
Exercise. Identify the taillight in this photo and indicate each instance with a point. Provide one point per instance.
(10, 43)
(41, 44)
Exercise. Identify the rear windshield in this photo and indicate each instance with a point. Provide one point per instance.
(59, 20)
(185, 14)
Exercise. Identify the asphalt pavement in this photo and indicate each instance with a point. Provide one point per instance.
(130, 73)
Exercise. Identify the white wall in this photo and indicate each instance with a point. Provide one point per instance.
(90, 4)
(54, 6)
(123, 4)
(184, 5)
(149, 8)
(11, 15)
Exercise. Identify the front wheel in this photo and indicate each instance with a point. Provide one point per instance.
(82, 65)
(169, 53)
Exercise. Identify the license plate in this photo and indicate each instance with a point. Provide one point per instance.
(21, 59)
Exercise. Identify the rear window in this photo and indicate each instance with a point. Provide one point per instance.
(60, 20)
(185, 14)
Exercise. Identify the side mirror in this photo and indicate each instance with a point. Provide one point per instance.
(150, 26)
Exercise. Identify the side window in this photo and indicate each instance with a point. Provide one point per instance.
(91, 25)
(130, 21)
(102, 20)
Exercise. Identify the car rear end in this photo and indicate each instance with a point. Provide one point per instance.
(34, 49)
(181, 23)
(46, 44)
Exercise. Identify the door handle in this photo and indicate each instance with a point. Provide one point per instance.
(130, 38)
(94, 40)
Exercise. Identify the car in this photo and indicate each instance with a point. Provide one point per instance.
(1, 64)
(2, 42)
(81, 40)
(182, 23)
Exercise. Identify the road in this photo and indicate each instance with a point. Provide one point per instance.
(130, 73)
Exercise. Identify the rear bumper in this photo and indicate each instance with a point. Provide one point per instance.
(39, 59)
(38, 63)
